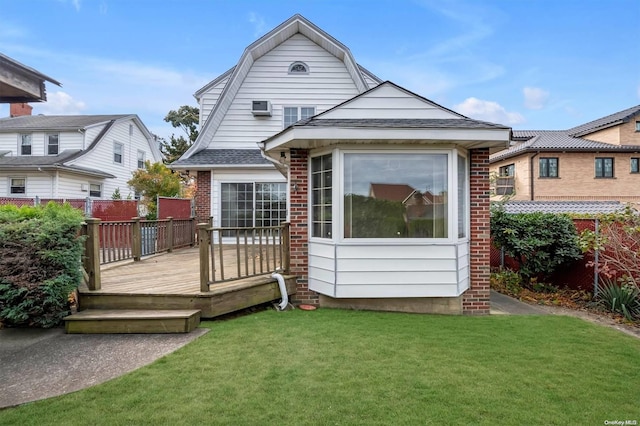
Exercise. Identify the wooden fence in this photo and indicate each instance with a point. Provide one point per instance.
(108, 242)
(254, 251)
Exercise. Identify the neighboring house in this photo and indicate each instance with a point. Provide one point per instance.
(335, 142)
(20, 83)
(74, 156)
(597, 161)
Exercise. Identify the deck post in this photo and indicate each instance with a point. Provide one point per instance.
(136, 240)
(192, 229)
(204, 243)
(92, 253)
(170, 234)
(285, 245)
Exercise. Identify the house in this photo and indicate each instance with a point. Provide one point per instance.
(333, 140)
(74, 156)
(20, 83)
(596, 161)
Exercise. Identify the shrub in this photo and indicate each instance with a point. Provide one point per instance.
(506, 281)
(40, 253)
(620, 297)
(539, 242)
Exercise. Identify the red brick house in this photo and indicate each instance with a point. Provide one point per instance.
(327, 130)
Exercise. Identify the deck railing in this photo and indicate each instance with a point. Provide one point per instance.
(108, 242)
(254, 251)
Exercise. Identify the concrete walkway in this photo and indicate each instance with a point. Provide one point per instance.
(37, 364)
(501, 305)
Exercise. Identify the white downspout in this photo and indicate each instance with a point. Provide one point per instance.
(283, 291)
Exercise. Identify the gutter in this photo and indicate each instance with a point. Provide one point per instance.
(531, 185)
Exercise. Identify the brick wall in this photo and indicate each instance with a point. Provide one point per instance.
(300, 227)
(203, 196)
(475, 301)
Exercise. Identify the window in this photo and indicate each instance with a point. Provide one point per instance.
(298, 68)
(140, 159)
(462, 196)
(293, 114)
(635, 165)
(637, 126)
(25, 144)
(549, 167)
(395, 195)
(118, 150)
(321, 183)
(604, 167)
(95, 190)
(18, 186)
(508, 170)
(249, 204)
(53, 144)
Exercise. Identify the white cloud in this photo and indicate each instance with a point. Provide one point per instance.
(259, 24)
(535, 98)
(59, 103)
(488, 111)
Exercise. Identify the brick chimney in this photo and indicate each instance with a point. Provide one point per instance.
(18, 110)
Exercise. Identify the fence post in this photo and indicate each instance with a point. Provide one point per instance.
(36, 201)
(192, 230)
(203, 241)
(92, 253)
(136, 240)
(88, 210)
(286, 247)
(170, 234)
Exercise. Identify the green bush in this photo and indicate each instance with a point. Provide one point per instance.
(620, 297)
(506, 281)
(40, 253)
(539, 242)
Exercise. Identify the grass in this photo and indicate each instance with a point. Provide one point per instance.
(347, 367)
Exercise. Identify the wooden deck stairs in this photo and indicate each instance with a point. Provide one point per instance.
(106, 321)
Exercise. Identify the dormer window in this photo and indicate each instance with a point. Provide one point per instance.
(298, 68)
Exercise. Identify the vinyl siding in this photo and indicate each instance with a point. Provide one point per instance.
(208, 100)
(322, 265)
(38, 184)
(327, 84)
(67, 140)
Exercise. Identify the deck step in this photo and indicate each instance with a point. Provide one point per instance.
(112, 321)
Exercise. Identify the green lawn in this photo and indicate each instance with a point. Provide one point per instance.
(347, 367)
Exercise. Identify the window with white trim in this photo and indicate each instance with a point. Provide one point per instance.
(95, 190)
(118, 153)
(53, 143)
(249, 204)
(140, 159)
(321, 184)
(298, 68)
(462, 196)
(25, 144)
(17, 186)
(294, 114)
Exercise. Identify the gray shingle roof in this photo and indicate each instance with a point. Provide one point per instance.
(39, 160)
(556, 140)
(224, 157)
(54, 122)
(575, 207)
(399, 123)
(604, 122)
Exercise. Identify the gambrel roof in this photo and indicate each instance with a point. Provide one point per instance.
(297, 24)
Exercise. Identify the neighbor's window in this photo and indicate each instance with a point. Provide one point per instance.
(549, 167)
(25, 144)
(508, 170)
(321, 186)
(462, 196)
(140, 159)
(604, 167)
(395, 195)
(637, 126)
(118, 150)
(635, 165)
(95, 190)
(293, 114)
(53, 144)
(298, 68)
(18, 185)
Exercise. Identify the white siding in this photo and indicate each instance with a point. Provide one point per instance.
(208, 100)
(38, 184)
(463, 267)
(378, 270)
(390, 102)
(370, 81)
(67, 140)
(327, 84)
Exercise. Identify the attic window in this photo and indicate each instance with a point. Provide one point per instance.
(298, 68)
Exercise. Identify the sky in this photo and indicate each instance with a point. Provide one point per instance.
(529, 64)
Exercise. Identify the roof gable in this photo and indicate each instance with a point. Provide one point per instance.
(605, 122)
(297, 24)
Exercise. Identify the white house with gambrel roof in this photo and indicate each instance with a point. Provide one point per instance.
(72, 156)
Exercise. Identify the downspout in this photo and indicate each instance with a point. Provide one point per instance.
(531, 174)
(283, 291)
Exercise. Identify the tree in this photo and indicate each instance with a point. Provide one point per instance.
(155, 180)
(185, 118)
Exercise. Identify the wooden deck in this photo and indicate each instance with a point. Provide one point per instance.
(172, 281)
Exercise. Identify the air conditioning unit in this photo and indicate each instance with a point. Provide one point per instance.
(84, 187)
(261, 108)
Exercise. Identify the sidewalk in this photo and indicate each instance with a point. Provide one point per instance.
(37, 364)
(501, 305)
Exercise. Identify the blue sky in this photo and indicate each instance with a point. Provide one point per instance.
(530, 64)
